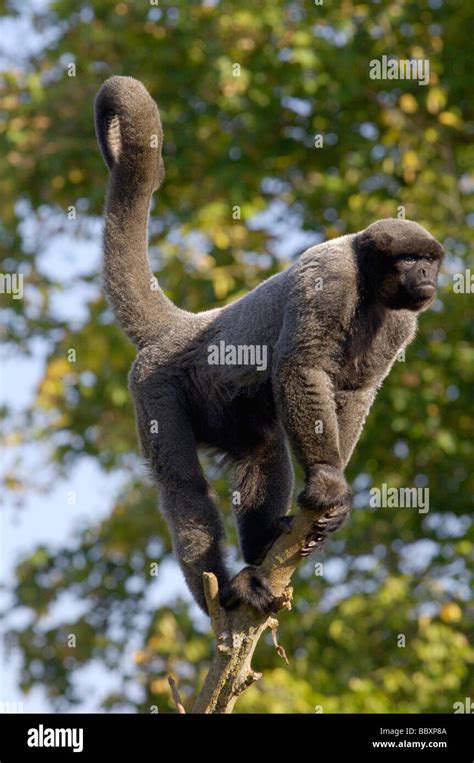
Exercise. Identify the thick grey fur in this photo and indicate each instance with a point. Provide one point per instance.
(330, 344)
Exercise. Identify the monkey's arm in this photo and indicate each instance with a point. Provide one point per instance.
(309, 411)
(308, 408)
(352, 408)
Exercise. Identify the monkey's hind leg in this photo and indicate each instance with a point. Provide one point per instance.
(263, 484)
(185, 496)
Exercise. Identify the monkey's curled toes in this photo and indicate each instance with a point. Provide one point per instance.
(325, 487)
(249, 587)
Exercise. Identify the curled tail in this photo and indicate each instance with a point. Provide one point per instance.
(130, 136)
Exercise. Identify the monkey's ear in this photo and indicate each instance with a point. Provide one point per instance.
(128, 128)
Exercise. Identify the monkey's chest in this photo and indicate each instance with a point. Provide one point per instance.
(359, 372)
(366, 359)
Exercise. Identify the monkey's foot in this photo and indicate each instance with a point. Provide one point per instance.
(249, 587)
(283, 525)
(327, 523)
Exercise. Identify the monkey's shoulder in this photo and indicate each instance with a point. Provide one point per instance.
(327, 265)
(321, 292)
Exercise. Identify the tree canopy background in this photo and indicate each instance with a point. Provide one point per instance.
(385, 627)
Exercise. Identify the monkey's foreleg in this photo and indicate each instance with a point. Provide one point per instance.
(352, 407)
(308, 409)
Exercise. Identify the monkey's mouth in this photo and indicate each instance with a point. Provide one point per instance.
(425, 290)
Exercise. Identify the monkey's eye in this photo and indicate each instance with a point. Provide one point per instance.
(409, 258)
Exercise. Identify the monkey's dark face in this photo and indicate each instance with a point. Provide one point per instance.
(399, 262)
(410, 281)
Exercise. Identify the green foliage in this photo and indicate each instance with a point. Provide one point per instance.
(248, 141)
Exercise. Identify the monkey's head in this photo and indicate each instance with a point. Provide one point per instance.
(399, 263)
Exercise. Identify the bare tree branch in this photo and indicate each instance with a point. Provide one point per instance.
(238, 631)
(175, 695)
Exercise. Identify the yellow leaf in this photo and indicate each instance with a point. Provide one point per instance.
(355, 202)
(450, 612)
(76, 175)
(410, 161)
(450, 119)
(435, 100)
(58, 367)
(431, 135)
(336, 629)
(408, 103)
(424, 621)
(58, 182)
(222, 282)
(159, 686)
(14, 438)
(221, 239)
(11, 483)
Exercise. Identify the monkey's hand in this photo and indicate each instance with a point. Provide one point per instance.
(327, 493)
(249, 587)
(325, 488)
